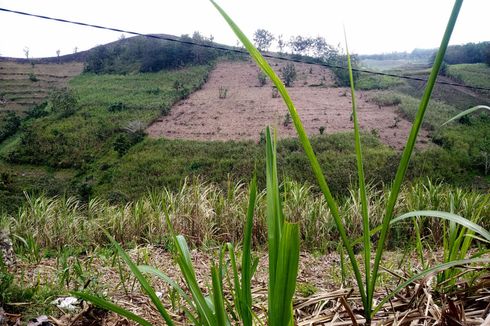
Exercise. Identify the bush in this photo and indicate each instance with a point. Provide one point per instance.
(262, 78)
(288, 74)
(38, 111)
(33, 77)
(386, 99)
(9, 125)
(63, 101)
(340, 71)
(116, 107)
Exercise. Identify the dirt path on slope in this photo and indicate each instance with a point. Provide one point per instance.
(248, 108)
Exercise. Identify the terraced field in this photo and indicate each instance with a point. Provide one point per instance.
(23, 85)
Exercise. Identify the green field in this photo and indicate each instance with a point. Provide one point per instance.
(471, 74)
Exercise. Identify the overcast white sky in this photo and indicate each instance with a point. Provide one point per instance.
(373, 26)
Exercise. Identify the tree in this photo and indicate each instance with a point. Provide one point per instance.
(487, 56)
(263, 39)
(58, 52)
(26, 52)
(280, 43)
(321, 49)
(300, 44)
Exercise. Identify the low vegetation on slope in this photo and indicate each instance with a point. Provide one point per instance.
(471, 74)
(100, 115)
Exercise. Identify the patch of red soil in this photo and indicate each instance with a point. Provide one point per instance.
(248, 108)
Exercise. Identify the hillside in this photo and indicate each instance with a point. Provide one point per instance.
(125, 108)
(248, 107)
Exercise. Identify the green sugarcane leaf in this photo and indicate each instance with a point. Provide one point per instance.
(168, 280)
(317, 170)
(427, 272)
(141, 279)
(218, 300)
(362, 182)
(407, 152)
(104, 304)
(466, 112)
(287, 271)
(447, 216)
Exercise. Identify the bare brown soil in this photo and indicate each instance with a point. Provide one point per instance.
(248, 108)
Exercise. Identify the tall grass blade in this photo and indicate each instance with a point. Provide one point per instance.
(104, 304)
(283, 247)
(274, 213)
(466, 112)
(407, 152)
(142, 280)
(446, 216)
(168, 280)
(281, 311)
(418, 242)
(183, 259)
(362, 183)
(266, 68)
(247, 268)
(435, 269)
(219, 306)
(237, 295)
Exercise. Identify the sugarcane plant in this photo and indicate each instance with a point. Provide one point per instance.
(367, 286)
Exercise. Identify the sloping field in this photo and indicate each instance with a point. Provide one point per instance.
(23, 85)
(248, 108)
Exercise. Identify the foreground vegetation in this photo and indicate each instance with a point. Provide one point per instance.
(208, 215)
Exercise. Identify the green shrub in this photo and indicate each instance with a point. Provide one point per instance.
(64, 102)
(288, 74)
(33, 77)
(9, 125)
(116, 107)
(386, 99)
(262, 78)
(340, 71)
(38, 111)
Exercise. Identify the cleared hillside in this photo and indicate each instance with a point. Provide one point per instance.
(247, 108)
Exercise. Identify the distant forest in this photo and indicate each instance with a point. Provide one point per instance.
(455, 54)
(141, 54)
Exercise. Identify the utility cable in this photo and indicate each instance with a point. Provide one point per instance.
(234, 49)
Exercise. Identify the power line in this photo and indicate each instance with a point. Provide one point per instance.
(233, 49)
